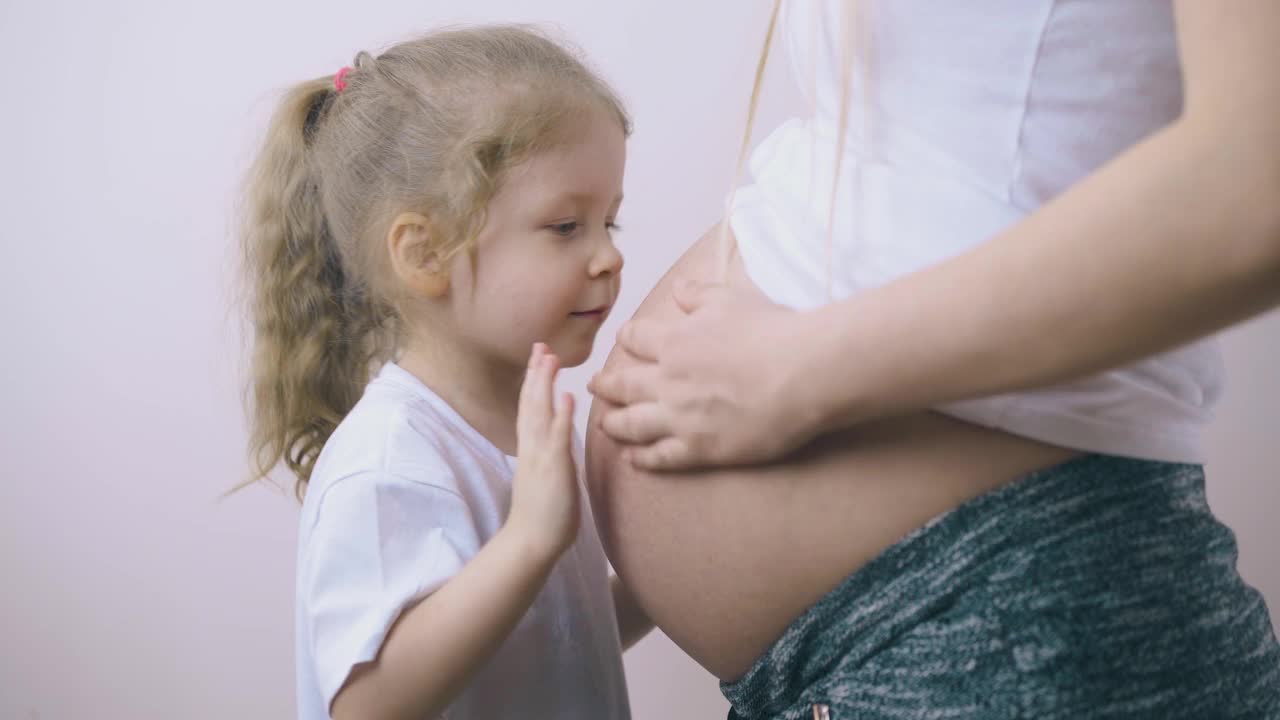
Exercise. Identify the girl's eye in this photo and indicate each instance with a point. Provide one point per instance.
(565, 228)
(613, 227)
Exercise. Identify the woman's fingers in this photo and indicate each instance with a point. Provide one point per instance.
(641, 339)
(627, 386)
(691, 294)
(640, 424)
(667, 455)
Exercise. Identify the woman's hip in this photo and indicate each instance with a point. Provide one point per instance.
(1102, 587)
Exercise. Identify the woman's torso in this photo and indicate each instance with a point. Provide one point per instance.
(984, 113)
(723, 561)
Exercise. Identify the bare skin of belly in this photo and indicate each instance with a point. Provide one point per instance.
(723, 561)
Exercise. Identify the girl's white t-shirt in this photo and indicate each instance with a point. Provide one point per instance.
(968, 117)
(403, 494)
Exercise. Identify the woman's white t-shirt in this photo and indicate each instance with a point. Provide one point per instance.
(404, 493)
(968, 117)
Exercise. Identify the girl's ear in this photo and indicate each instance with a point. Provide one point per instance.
(412, 259)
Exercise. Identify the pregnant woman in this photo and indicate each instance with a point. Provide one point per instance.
(916, 431)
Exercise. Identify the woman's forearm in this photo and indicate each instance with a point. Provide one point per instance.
(1173, 240)
(437, 645)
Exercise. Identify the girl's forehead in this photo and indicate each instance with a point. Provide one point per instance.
(587, 169)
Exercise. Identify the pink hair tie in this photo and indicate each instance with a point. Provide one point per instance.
(340, 80)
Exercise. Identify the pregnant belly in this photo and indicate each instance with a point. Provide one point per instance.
(724, 560)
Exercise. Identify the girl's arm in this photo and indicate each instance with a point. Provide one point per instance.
(436, 646)
(633, 623)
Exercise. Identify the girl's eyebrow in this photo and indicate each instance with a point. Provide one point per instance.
(584, 196)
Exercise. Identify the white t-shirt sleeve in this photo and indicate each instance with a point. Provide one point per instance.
(379, 545)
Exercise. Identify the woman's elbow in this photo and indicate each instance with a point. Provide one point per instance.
(1264, 201)
(1241, 182)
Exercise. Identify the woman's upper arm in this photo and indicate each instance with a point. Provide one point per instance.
(1230, 50)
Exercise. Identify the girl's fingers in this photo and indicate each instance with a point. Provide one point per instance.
(544, 392)
(531, 413)
(562, 426)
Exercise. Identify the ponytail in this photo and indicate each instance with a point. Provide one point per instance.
(314, 334)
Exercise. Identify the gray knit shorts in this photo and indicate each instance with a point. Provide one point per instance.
(1099, 588)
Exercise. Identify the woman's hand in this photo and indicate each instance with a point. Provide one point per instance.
(544, 494)
(713, 388)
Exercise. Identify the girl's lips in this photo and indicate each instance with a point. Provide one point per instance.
(597, 312)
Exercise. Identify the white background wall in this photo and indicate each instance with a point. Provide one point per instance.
(126, 589)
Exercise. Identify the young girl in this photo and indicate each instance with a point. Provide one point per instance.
(443, 208)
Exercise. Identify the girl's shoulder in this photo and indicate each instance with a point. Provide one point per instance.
(399, 439)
